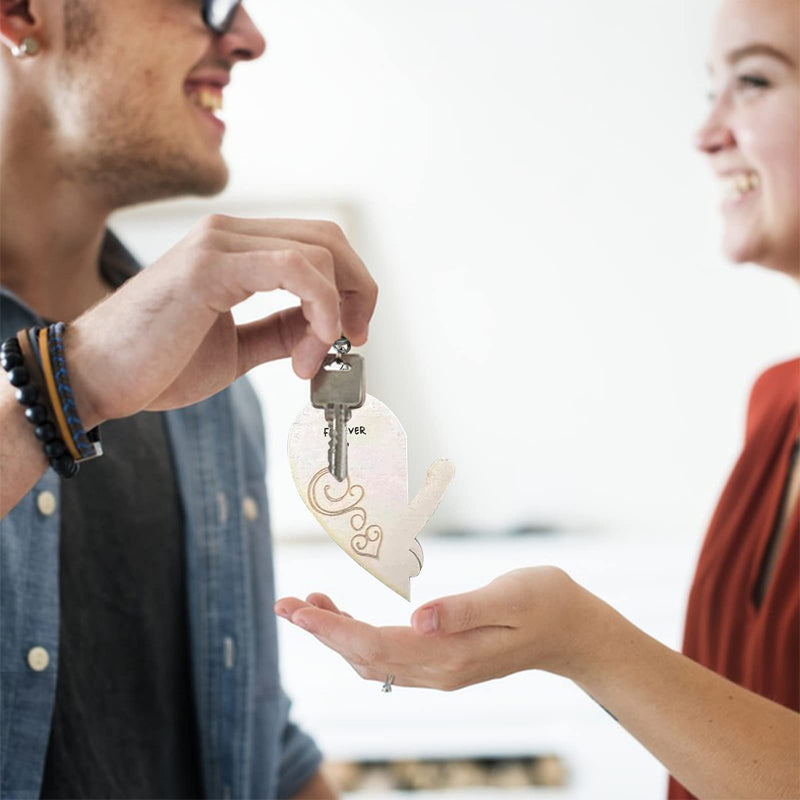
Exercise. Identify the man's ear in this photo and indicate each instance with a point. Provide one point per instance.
(18, 19)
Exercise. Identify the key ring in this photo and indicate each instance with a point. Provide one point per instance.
(342, 348)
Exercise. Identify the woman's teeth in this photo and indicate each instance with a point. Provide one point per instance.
(208, 99)
(736, 186)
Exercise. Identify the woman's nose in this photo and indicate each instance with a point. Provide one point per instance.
(715, 134)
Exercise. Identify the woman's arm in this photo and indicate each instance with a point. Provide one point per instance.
(718, 739)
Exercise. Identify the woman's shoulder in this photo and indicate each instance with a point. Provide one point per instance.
(775, 391)
(779, 379)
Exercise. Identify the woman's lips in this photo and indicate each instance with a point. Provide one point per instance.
(737, 186)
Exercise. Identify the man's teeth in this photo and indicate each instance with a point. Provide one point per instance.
(208, 99)
(740, 184)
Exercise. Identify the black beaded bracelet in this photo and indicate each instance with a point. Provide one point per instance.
(13, 362)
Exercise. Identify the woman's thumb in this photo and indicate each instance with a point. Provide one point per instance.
(454, 614)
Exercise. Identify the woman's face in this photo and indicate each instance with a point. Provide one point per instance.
(752, 134)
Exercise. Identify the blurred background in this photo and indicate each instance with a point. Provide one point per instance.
(554, 316)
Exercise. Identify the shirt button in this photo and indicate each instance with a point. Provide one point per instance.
(250, 509)
(38, 659)
(222, 508)
(46, 503)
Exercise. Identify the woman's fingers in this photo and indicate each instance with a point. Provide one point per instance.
(443, 661)
(522, 620)
(345, 634)
(364, 646)
(286, 606)
(324, 602)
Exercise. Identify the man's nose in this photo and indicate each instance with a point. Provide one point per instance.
(243, 41)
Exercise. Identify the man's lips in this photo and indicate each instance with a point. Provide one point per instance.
(209, 98)
(209, 78)
(205, 90)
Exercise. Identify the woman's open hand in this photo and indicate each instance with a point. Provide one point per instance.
(532, 618)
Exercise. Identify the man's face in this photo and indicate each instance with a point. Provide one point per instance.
(134, 94)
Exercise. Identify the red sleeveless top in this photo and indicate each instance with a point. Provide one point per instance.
(757, 646)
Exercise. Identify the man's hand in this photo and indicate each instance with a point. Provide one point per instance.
(167, 338)
(529, 618)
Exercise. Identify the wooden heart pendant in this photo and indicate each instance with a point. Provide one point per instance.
(368, 514)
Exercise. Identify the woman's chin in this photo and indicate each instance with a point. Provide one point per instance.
(737, 254)
(742, 247)
(760, 252)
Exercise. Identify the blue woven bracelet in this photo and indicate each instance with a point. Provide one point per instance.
(87, 443)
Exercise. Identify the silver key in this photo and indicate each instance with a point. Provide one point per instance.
(338, 387)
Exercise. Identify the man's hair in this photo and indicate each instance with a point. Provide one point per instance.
(79, 24)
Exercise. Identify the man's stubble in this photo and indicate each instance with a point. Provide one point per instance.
(117, 149)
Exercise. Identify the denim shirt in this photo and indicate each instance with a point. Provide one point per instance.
(248, 746)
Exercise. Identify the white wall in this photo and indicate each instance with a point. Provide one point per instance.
(519, 176)
(554, 316)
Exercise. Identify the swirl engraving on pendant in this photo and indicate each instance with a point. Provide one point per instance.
(330, 501)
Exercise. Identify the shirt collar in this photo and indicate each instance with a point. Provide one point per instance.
(117, 264)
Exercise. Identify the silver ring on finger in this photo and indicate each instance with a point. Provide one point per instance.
(387, 684)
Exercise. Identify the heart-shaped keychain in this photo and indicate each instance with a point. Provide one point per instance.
(367, 513)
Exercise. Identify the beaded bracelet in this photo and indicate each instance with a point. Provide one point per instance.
(29, 344)
(13, 362)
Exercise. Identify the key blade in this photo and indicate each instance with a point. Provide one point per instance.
(337, 447)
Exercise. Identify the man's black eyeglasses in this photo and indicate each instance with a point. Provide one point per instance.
(219, 14)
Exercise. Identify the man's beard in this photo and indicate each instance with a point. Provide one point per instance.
(125, 152)
(126, 175)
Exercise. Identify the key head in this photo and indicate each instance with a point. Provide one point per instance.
(333, 386)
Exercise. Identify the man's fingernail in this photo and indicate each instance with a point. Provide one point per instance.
(428, 620)
(281, 611)
(302, 622)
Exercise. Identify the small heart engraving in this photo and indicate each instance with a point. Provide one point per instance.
(368, 543)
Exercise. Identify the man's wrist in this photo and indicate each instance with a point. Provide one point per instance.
(87, 411)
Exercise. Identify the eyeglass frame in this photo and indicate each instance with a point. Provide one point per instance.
(225, 25)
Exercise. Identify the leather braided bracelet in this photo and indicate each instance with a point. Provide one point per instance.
(87, 444)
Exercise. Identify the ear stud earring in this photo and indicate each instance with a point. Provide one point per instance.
(27, 47)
